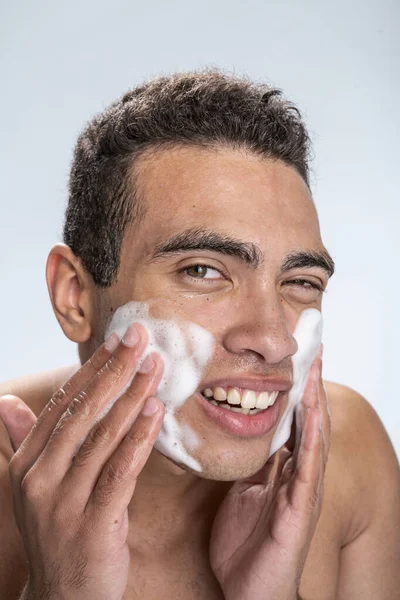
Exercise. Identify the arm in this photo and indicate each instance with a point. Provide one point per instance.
(370, 558)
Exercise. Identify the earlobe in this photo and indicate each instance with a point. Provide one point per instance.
(70, 293)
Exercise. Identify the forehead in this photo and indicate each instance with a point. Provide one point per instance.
(253, 198)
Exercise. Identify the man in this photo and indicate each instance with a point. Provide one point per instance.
(191, 194)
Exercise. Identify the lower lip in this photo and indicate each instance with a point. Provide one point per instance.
(242, 425)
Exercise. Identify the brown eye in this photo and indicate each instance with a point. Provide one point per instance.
(199, 271)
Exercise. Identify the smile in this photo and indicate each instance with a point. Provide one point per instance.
(239, 400)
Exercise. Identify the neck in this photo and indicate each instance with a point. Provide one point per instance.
(172, 509)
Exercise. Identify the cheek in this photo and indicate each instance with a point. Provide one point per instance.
(292, 314)
(219, 315)
(207, 311)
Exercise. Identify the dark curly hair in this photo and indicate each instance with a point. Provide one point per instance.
(208, 109)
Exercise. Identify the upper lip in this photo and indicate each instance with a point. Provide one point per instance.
(271, 384)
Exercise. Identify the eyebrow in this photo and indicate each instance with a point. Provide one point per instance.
(248, 252)
(304, 259)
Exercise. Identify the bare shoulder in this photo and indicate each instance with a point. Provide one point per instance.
(354, 554)
(35, 390)
(364, 463)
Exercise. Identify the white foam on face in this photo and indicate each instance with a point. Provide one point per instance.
(185, 348)
(308, 335)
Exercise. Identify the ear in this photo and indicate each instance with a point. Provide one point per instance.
(72, 293)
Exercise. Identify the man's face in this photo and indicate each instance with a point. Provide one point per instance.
(252, 223)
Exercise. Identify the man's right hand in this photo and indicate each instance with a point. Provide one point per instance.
(71, 498)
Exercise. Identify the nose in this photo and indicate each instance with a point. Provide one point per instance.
(262, 328)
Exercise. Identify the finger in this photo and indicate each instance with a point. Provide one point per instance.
(309, 401)
(90, 405)
(17, 417)
(306, 482)
(116, 484)
(310, 395)
(106, 435)
(38, 436)
(326, 417)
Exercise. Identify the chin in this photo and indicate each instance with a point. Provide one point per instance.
(223, 464)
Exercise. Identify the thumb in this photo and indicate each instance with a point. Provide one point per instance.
(17, 417)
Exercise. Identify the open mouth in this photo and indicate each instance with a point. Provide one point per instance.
(243, 401)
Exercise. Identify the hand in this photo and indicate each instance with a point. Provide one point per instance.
(263, 529)
(71, 498)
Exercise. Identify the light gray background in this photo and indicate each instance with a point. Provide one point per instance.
(339, 61)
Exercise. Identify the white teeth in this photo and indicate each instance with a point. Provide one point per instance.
(272, 397)
(242, 411)
(220, 394)
(234, 396)
(242, 403)
(263, 400)
(248, 399)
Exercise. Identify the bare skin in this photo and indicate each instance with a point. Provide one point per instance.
(252, 315)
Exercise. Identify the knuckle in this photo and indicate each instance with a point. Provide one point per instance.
(78, 402)
(115, 366)
(132, 392)
(58, 398)
(116, 472)
(97, 437)
(99, 434)
(313, 500)
(94, 363)
(112, 476)
(137, 437)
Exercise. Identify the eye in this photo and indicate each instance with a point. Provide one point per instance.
(199, 271)
(304, 290)
(306, 284)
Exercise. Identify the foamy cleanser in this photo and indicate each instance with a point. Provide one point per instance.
(308, 335)
(186, 348)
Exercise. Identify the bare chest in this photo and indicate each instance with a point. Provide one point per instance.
(186, 579)
(192, 578)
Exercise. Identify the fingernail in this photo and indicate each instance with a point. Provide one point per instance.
(112, 342)
(151, 407)
(131, 336)
(147, 365)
